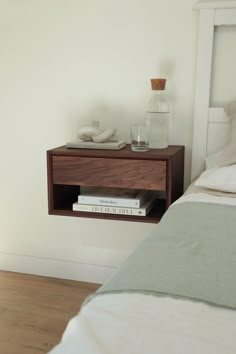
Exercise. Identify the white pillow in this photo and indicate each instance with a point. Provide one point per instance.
(219, 178)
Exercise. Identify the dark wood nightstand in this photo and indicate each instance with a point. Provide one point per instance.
(156, 170)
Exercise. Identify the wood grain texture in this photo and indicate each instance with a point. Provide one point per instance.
(125, 153)
(137, 174)
(34, 311)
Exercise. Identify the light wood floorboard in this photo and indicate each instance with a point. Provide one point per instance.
(34, 311)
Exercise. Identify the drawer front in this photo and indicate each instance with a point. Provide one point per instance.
(105, 172)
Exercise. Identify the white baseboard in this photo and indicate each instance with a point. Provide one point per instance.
(55, 268)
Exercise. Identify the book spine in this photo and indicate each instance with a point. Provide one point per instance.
(112, 202)
(110, 209)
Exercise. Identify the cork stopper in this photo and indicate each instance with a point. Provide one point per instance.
(158, 84)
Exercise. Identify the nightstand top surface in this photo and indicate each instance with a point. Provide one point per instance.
(152, 154)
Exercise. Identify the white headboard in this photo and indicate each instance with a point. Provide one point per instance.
(211, 126)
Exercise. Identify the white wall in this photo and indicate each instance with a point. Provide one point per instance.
(65, 62)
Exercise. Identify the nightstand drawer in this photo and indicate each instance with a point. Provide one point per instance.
(109, 172)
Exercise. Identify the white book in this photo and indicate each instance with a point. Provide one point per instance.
(147, 206)
(131, 198)
(109, 145)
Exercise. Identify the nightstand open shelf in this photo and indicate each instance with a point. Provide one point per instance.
(154, 170)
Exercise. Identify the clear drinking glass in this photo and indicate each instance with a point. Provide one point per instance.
(139, 137)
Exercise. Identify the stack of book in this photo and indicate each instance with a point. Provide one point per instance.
(115, 201)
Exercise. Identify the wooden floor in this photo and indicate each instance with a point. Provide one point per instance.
(35, 310)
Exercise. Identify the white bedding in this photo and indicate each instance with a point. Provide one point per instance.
(147, 324)
(207, 198)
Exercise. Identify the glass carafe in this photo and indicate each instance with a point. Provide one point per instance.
(157, 115)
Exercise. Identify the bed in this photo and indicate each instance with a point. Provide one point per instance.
(177, 292)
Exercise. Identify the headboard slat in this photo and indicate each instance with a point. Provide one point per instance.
(211, 126)
(225, 17)
(202, 92)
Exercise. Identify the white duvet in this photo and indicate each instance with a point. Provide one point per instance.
(147, 324)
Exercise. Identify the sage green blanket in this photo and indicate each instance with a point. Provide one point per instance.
(191, 254)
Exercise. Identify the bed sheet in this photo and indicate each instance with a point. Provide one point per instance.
(207, 198)
(138, 323)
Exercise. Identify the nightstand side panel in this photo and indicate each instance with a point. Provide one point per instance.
(175, 176)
